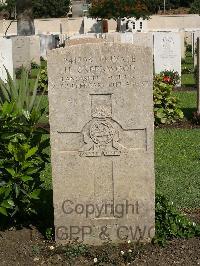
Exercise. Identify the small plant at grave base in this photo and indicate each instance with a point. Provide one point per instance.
(73, 251)
(49, 233)
(43, 80)
(129, 254)
(166, 109)
(42, 59)
(170, 223)
(22, 149)
(34, 65)
(36, 249)
(170, 77)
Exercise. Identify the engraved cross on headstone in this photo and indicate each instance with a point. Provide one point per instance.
(104, 137)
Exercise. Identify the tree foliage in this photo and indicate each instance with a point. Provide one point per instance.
(133, 8)
(50, 8)
(195, 7)
(43, 8)
(119, 8)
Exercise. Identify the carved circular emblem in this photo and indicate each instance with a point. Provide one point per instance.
(102, 132)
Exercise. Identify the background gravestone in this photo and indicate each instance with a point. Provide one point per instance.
(127, 37)
(101, 117)
(6, 60)
(198, 75)
(167, 52)
(138, 39)
(35, 49)
(183, 47)
(21, 51)
(47, 42)
(196, 35)
(188, 37)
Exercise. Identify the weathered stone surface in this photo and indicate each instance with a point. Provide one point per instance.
(92, 25)
(6, 58)
(25, 49)
(35, 49)
(84, 40)
(167, 51)
(21, 51)
(101, 118)
(112, 37)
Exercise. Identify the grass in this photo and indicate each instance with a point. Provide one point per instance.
(177, 165)
(188, 79)
(187, 102)
(177, 158)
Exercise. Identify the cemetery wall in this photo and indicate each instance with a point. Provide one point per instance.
(157, 22)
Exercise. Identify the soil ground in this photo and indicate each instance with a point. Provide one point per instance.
(27, 247)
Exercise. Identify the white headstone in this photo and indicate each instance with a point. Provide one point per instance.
(35, 49)
(167, 52)
(21, 51)
(196, 35)
(6, 58)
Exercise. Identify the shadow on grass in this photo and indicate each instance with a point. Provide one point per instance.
(190, 85)
(188, 112)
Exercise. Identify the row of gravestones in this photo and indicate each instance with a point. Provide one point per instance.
(167, 47)
(18, 51)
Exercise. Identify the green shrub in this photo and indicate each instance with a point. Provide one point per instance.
(22, 96)
(42, 59)
(34, 65)
(18, 72)
(166, 108)
(22, 155)
(195, 7)
(189, 48)
(43, 80)
(170, 77)
(170, 223)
